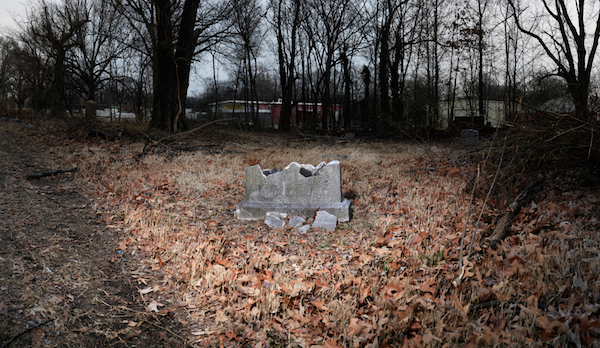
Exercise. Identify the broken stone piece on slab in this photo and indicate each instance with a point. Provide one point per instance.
(274, 221)
(299, 189)
(271, 171)
(278, 214)
(296, 221)
(325, 220)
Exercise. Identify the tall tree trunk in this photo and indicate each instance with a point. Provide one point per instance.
(347, 111)
(327, 90)
(287, 66)
(172, 61)
(384, 57)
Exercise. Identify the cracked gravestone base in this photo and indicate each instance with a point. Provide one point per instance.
(258, 210)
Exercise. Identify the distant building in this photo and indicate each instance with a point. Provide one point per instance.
(467, 109)
(270, 112)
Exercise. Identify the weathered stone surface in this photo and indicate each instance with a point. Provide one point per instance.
(290, 186)
(257, 210)
(325, 220)
(30, 127)
(296, 221)
(274, 221)
(303, 229)
(299, 189)
(278, 214)
(469, 137)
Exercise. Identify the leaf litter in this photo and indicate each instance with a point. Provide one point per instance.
(382, 279)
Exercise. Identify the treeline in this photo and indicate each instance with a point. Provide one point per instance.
(403, 63)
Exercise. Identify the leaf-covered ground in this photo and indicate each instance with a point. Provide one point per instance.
(388, 278)
(62, 281)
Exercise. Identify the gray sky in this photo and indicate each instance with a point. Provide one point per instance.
(9, 9)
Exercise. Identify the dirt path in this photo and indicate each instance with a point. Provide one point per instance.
(63, 281)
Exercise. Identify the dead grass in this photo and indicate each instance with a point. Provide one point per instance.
(382, 278)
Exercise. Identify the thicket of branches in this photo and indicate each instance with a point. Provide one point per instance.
(413, 64)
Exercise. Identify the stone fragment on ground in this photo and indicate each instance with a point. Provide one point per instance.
(303, 229)
(274, 221)
(325, 220)
(349, 136)
(30, 127)
(296, 221)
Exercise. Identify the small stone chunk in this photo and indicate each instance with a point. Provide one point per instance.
(305, 172)
(325, 220)
(303, 229)
(279, 215)
(274, 221)
(271, 171)
(28, 126)
(296, 221)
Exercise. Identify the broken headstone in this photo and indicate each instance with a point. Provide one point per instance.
(299, 189)
(469, 137)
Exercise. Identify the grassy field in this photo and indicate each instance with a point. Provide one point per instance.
(390, 277)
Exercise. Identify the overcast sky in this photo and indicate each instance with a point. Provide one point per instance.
(10, 9)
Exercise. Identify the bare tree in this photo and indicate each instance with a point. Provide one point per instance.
(247, 21)
(286, 20)
(175, 33)
(332, 24)
(564, 35)
(54, 26)
(6, 48)
(99, 43)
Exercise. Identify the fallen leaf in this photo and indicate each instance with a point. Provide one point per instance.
(153, 306)
(146, 290)
(353, 327)
(429, 285)
(364, 293)
(220, 317)
(332, 343)
(320, 305)
(428, 337)
(276, 258)
(222, 262)
(202, 333)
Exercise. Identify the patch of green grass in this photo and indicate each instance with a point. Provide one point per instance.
(433, 259)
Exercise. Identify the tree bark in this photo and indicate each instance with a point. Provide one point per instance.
(171, 63)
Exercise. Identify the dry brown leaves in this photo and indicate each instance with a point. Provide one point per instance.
(383, 279)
